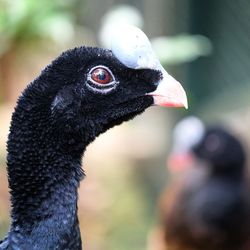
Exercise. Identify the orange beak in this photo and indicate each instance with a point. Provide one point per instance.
(169, 93)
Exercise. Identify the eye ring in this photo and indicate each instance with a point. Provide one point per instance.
(101, 75)
(101, 79)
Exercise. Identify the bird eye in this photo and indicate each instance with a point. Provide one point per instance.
(101, 75)
(100, 79)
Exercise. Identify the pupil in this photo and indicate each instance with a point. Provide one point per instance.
(102, 76)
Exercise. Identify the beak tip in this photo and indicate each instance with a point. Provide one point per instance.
(185, 102)
(181, 101)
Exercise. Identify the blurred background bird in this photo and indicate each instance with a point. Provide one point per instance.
(207, 204)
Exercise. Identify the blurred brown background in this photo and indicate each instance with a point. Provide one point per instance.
(204, 44)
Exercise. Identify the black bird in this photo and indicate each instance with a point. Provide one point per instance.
(80, 95)
(208, 208)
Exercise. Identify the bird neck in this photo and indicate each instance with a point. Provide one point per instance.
(48, 220)
(235, 173)
(43, 178)
(43, 186)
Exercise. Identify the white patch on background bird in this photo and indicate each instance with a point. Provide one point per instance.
(187, 133)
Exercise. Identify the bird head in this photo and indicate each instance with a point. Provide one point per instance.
(221, 149)
(213, 145)
(91, 89)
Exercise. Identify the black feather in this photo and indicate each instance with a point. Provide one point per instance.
(55, 119)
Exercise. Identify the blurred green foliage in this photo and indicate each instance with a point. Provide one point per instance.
(23, 21)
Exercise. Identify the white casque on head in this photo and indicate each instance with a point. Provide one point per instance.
(132, 48)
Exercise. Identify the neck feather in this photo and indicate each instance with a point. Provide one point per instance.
(43, 179)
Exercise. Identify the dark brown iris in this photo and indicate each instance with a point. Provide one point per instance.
(101, 76)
